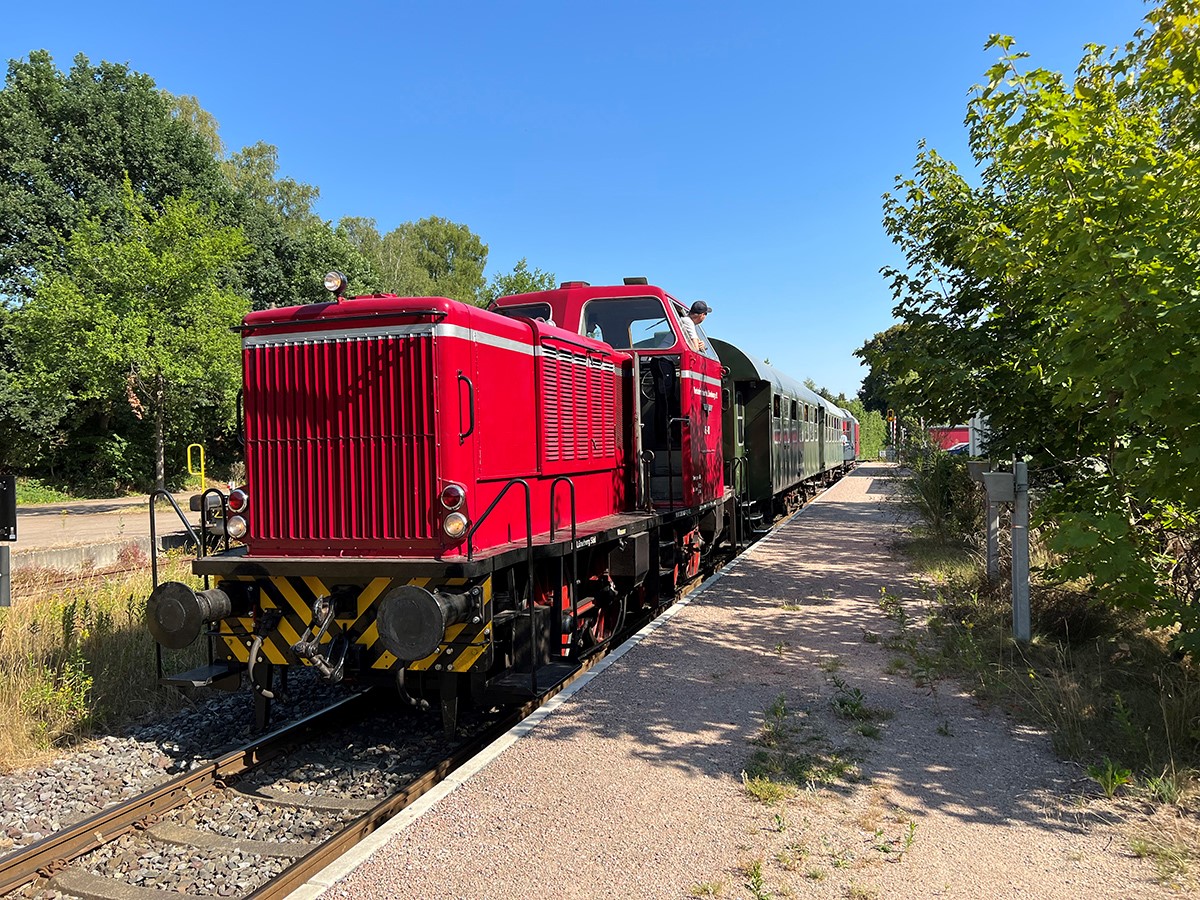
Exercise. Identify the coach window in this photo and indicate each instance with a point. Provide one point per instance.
(630, 323)
(741, 419)
(778, 407)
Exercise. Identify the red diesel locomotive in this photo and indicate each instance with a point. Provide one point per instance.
(463, 500)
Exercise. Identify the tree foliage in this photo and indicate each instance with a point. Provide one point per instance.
(67, 142)
(137, 324)
(521, 280)
(1060, 295)
(432, 257)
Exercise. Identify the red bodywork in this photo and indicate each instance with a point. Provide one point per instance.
(950, 435)
(699, 375)
(359, 413)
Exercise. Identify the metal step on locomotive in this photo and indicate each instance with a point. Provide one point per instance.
(468, 501)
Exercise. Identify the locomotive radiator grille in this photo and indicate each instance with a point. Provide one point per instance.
(340, 438)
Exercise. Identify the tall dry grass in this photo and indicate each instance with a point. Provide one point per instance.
(76, 659)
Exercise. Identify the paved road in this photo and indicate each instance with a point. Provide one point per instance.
(53, 525)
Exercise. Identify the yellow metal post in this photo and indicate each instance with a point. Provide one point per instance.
(192, 468)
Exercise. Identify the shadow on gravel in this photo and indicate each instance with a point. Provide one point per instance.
(693, 697)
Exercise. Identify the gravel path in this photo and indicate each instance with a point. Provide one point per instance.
(633, 787)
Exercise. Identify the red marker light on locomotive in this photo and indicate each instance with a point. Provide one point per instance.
(452, 496)
(238, 501)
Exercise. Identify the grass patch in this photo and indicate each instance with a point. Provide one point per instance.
(1106, 687)
(791, 759)
(31, 491)
(77, 659)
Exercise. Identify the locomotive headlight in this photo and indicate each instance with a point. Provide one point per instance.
(452, 497)
(336, 283)
(238, 501)
(455, 525)
(236, 526)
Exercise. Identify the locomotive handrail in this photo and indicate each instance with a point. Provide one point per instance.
(528, 563)
(240, 414)
(682, 420)
(154, 530)
(204, 519)
(737, 466)
(574, 549)
(154, 556)
(463, 435)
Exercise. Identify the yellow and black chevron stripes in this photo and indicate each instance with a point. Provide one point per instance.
(465, 644)
(292, 599)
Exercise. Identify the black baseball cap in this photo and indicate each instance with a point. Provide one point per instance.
(700, 308)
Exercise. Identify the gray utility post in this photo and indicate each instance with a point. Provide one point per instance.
(978, 470)
(8, 532)
(1020, 553)
(1009, 487)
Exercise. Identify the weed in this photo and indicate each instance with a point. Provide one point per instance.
(859, 892)
(754, 881)
(707, 889)
(780, 648)
(944, 729)
(830, 664)
(870, 637)
(1169, 787)
(817, 874)
(792, 607)
(766, 791)
(1110, 777)
(896, 666)
(779, 823)
(851, 703)
(893, 607)
(868, 730)
(1172, 859)
(77, 658)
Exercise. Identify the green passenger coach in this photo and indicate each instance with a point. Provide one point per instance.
(782, 441)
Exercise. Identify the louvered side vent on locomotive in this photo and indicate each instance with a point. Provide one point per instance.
(579, 400)
(340, 438)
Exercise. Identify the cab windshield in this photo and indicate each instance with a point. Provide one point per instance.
(630, 323)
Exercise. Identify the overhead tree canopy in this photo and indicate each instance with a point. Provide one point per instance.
(67, 141)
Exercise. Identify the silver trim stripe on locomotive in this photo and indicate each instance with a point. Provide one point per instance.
(387, 331)
(701, 377)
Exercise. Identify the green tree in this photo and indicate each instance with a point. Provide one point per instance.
(433, 257)
(1060, 295)
(67, 141)
(521, 280)
(136, 323)
(292, 247)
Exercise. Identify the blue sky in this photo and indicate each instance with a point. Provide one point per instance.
(734, 153)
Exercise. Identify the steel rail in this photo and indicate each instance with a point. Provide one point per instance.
(55, 851)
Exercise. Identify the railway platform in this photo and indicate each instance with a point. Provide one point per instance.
(636, 782)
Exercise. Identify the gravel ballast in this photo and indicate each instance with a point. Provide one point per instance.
(633, 787)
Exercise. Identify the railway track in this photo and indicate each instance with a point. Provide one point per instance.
(77, 861)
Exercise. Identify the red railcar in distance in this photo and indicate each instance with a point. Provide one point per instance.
(456, 498)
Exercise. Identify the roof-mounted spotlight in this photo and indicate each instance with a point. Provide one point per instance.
(336, 284)
(636, 279)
